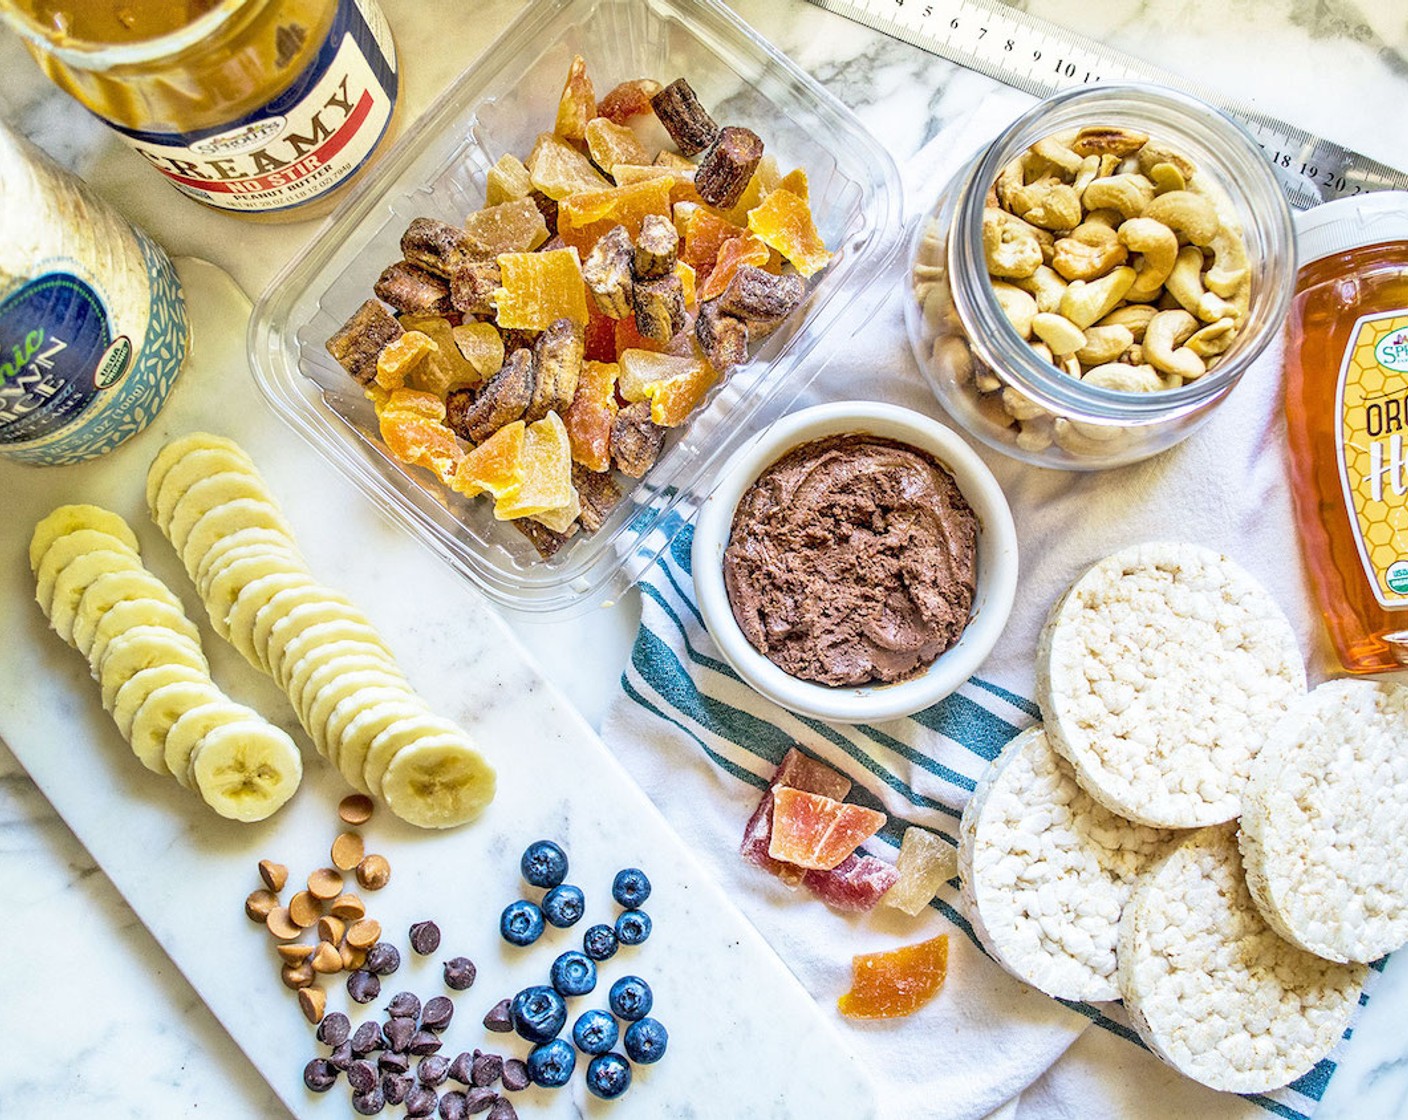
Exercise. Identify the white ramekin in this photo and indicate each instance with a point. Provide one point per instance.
(997, 563)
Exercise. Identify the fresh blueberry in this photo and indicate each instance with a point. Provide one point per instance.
(563, 905)
(544, 864)
(646, 1040)
(599, 942)
(631, 888)
(631, 998)
(633, 927)
(595, 1032)
(521, 923)
(539, 1013)
(551, 1064)
(573, 974)
(608, 1076)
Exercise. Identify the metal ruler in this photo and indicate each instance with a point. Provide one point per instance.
(1041, 58)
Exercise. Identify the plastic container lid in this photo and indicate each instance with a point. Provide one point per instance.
(1348, 223)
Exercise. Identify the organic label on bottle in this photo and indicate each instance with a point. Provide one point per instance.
(305, 142)
(1372, 410)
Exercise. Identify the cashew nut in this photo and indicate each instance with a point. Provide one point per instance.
(1188, 214)
(1091, 251)
(1042, 351)
(1159, 247)
(1229, 265)
(1088, 173)
(1109, 218)
(1153, 153)
(1009, 248)
(952, 353)
(1017, 305)
(1213, 339)
(1035, 434)
(1094, 140)
(1019, 406)
(1059, 333)
(1135, 316)
(938, 305)
(986, 381)
(1163, 347)
(1087, 301)
(1134, 356)
(1046, 285)
(1122, 378)
(1104, 343)
(1048, 203)
(1012, 179)
(1166, 177)
(1057, 153)
(1087, 439)
(1129, 194)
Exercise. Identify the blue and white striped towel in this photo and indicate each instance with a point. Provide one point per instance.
(703, 745)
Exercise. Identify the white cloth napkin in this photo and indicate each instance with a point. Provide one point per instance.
(702, 743)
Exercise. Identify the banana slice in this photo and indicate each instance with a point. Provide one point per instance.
(132, 695)
(299, 619)
(242, 539)
(128, 614)
(192, 725)
(232, 578)
(250, 603)
(246, 771)
(242, 513)
(396, 737)
(107, 591)
(438, 782)
(162, 707)
(280, 607)
(357, 735)
(68, 548)
(142, 648)
(192, 469)
(346, 684)
(347, 710)
(74, 580)
(178, 449)
(323, 665)
(69, 519)
(210, 572)
(207, 493)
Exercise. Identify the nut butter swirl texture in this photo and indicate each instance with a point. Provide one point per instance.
(851, 560)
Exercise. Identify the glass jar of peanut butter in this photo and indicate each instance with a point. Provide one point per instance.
(263, 108)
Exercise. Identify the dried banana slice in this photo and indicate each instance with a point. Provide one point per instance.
(192, 725)
(68, 548)
(69, 519)
(161, 708)
(105, 592)
(246, 771)
(143, 648)
(438, 782)
(132, 695)
(74, 580)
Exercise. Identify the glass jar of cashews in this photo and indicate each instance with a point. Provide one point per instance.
(1086, 290)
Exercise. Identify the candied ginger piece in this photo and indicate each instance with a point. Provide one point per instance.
(560, 171)
(610, 144)
(445, 368)
(577, 104)
(510, 227)
(673, 385)
(547, 472)
(540, 288)
(925, 863)
(801, 771)
(682, 182)
(400, 357)
(818, 832)
(584, 218)
(704, 233)
(591, 414)
(784, 221)
(855, 884)
(496, 465)
(507, 180)
(733, 255)
(481, 345)
(896, 983)
(627, 100)
(412, 427)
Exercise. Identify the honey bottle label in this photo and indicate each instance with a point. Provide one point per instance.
(1372, 444)
(300, 145)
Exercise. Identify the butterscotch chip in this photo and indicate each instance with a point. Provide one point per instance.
(297, 975)
(325, 884)
(305, 910)
(294, 954)
(347, 851)
(348, 907)
(373, 872)
(326, 958)
(356, 808)
(312, 1002)
(331, 928)
(352, 958)
(258, 905)
(281, 924)
(363, 934)
(275, 875)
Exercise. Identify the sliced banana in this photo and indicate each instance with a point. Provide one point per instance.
(132, 695)
(358, 733)
(242, 513)
(246, 771)
(144, 648)
(287, 631)
(326, 663)
(242, 538)
(192, 726)
(106, 592)
(347, 710)
(69, 519)
(291, 561)
(396, 737)
(68, 548)
(205, 495)
(231, 579)
(438, 782)
(346, 684)
(192, 468)
(249, 605)
(178, 449)
(73, 581)
(128, 614)
(162, 707)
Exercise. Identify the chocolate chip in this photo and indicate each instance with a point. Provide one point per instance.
(393, 1061)
(406, 1004)
(341, 1056)
(487, 1069)
(367, 1038)
(436, 1014)
(453, 1106)
(383, 959)
(433, 1070)
(424, 1042)
(394, 1087)
(459, 974)
(515, 1075)
(320, 1075)
(399, 1031)
(362, 1077)
(502, 1110)
(499, 1018)
(425, 938)
(420, 1101)
(479, 1100)
(334, 1028)
(369, 1104)
(362, 986)
(461, 1067)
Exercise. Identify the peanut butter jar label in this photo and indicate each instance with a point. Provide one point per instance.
(305, 142)
(1372, 413)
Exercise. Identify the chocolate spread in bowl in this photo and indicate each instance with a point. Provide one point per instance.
(852, 559)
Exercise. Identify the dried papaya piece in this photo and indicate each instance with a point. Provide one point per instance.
(704, 233)
(628, 338)
(591, 414)
(599, 341)
(924, 864)
(577, 105)
(584, 218)
(733, 255)
(689, 283)
(784, 221)
(610, 144)
(540, 288)
(508, 179)
(627, 100)
(400, 356)
(495, 466)
(482, 347)
(688, 123)
(818, 832)
(412, 427)
(560, 170)
(673, 160)
(444, 368)
(510, 227)
(796, 182)
(682, 186)
(547, 472)
(896, 983)
(673, 385)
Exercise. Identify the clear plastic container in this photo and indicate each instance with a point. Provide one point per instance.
(499, 105)
(1031, 409)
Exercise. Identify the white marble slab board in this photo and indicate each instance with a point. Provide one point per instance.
(745, 1038)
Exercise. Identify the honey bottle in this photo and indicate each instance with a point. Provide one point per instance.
(1347, 422)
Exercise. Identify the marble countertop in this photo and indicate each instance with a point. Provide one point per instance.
(116, 1030)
